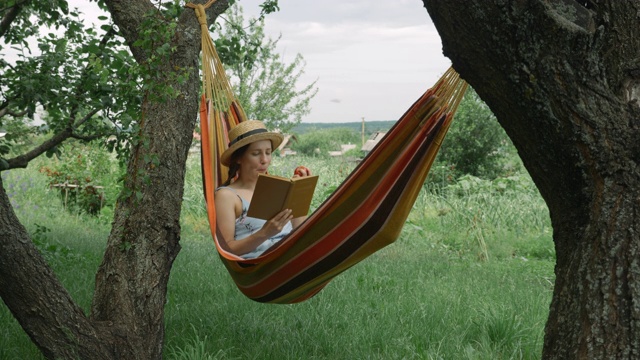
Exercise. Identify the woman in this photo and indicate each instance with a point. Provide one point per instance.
(248, 155)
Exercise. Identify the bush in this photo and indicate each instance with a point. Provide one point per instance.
(476, 143)
(320, 142)
(85, 175)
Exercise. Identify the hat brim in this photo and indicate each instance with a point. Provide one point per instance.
(276, 140)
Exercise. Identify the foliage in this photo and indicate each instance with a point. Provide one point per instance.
(321, 141)
(476, 143)
(155, 41)
(486, 209)
(370, 127)
(51, 250)
(85, 176)
(266, 87)
(82, 78)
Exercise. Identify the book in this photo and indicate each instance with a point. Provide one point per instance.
(275, 193)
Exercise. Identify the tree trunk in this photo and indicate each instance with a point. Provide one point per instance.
(40, 303)
(563, 78)
(127, 313)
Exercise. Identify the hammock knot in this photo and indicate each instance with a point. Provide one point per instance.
(200, 11)
(201, 15)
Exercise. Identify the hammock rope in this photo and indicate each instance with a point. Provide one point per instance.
(364, 214)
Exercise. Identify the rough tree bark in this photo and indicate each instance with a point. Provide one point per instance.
(127, 313)
(563, 78)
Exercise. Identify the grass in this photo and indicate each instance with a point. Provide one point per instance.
(470, 278)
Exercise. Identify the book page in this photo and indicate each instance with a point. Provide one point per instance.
(274, 194)
(300, 195)
(268, 196)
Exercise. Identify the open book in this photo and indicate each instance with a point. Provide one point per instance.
(274, 194)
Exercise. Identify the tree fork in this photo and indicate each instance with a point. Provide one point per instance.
(50, 317)
(127, 313)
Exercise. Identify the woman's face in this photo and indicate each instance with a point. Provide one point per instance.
(257, 158)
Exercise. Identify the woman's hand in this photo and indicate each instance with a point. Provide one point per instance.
(277, 223)
(301, 171)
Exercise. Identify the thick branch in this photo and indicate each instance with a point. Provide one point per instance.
(41, 304)
(23, 160)
(7, 111)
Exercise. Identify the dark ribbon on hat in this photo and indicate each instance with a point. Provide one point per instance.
(247, 134)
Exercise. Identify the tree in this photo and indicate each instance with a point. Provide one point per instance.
(126, 318)
(74, 74)
(475, 143)
(563, 78)
(265, 86)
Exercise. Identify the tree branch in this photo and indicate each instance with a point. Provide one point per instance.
(85, 118)
(11, 15)
(23, 160)
(130, 12)
(7, 111)
(88, 137)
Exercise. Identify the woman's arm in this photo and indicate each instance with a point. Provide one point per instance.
(225, 202)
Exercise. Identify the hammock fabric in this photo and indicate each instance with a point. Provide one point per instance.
(365, 213)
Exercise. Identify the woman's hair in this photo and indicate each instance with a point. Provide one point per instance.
(233, 163)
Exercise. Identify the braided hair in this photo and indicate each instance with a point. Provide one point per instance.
(233, 164)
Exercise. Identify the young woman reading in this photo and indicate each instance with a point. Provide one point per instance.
(248, 155)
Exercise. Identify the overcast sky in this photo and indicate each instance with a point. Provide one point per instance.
(371, 59)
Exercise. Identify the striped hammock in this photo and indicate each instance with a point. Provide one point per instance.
(364, 214)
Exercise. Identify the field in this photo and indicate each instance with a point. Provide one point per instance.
(470, 278)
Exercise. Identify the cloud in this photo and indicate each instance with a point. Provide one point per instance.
(375, 57)
(370, 59)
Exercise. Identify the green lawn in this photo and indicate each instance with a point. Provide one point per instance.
(470, 278)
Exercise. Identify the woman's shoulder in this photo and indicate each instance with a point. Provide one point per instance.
(226, 188)
(225, 192)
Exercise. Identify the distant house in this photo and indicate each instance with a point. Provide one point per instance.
(284, 148)
(343, 150)
(373, 141)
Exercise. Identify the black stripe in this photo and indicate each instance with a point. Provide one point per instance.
(247, 134)
(361, 237)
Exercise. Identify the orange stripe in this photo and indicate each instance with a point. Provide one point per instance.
(340, 233)
(206, 166)
(347, 210)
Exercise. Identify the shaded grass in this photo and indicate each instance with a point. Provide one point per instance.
(72, 244)
(428, 296)
(403, 302)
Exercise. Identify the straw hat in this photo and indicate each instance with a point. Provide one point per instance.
(245, 133)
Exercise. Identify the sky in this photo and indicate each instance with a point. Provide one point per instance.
(371, 59)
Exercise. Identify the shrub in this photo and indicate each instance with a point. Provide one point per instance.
(84, 176)
(320, 142)
(476, 143)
